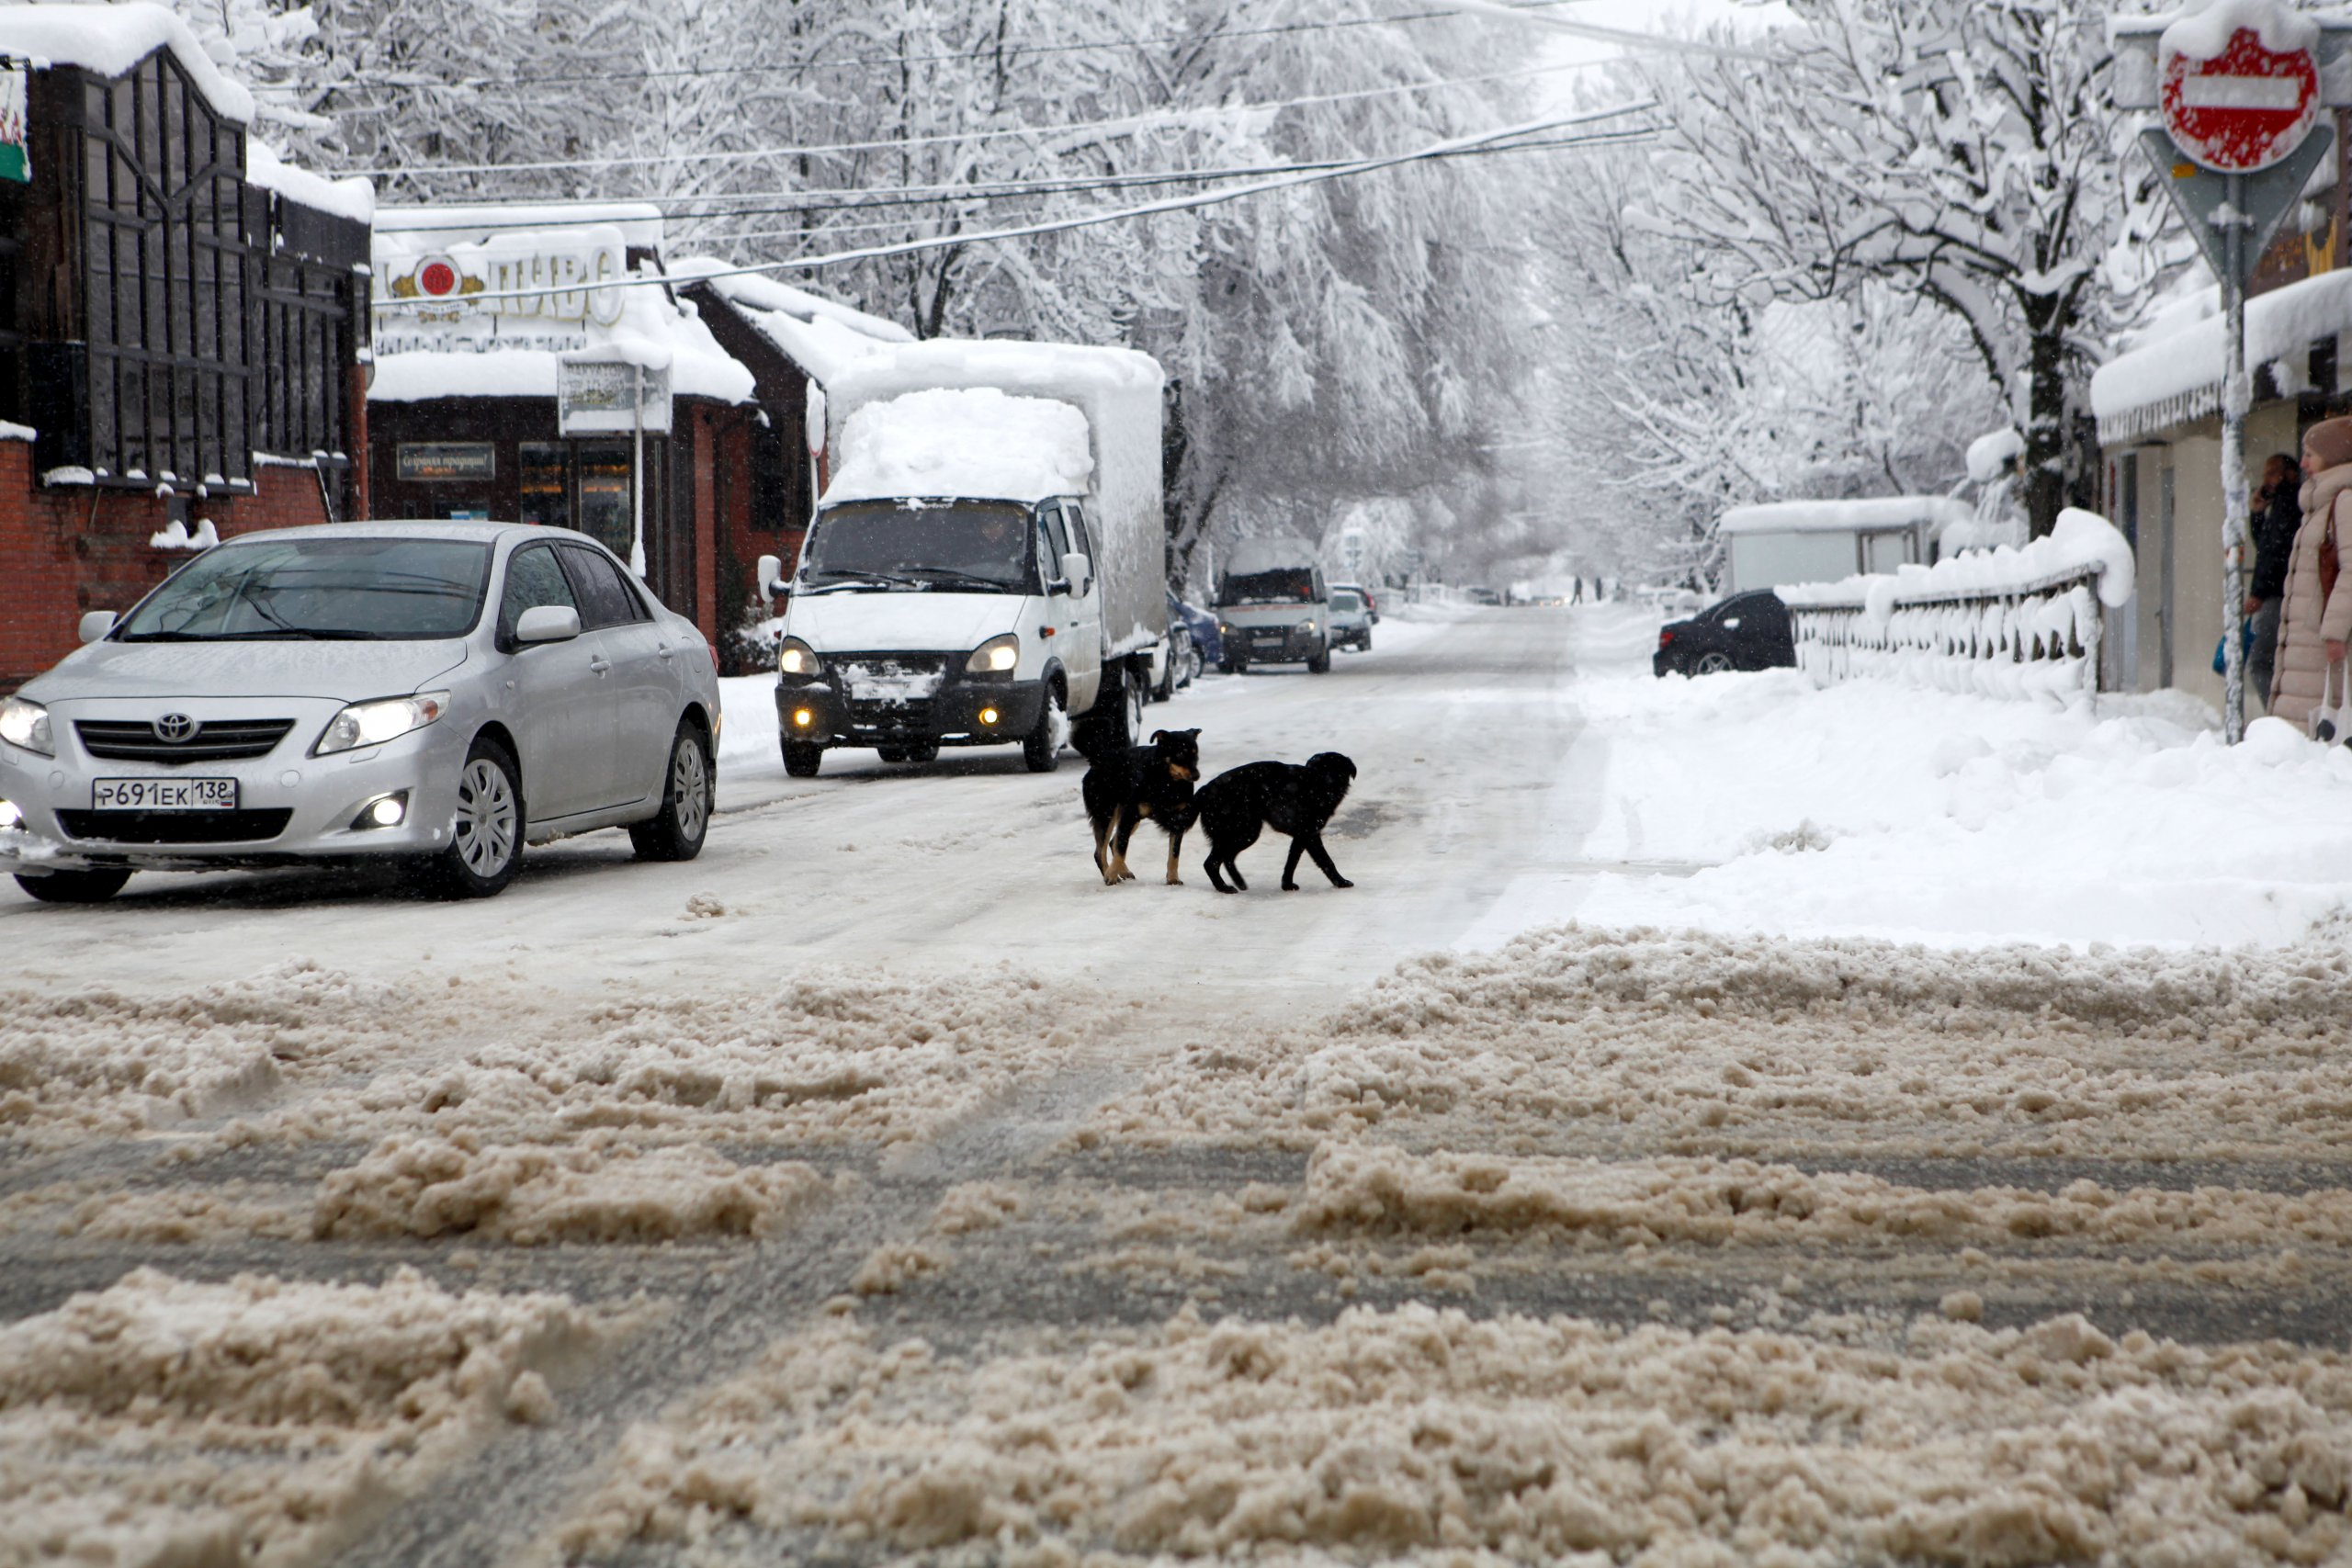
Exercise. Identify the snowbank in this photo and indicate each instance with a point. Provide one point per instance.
(1869, 808)
(160, 1421)
(1427, 1436)
(971, 442)
(108, 40)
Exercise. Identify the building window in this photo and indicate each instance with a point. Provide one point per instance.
(604, 495)
(545, 484)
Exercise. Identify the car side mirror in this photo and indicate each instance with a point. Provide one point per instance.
(97, 624)
(1077, 572)
(772, 578)
(547, 623)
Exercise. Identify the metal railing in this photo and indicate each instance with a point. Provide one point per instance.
(2039, 639)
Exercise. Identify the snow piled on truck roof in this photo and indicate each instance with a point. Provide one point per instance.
(1036, 369)
(1842, 517)
(964, 441)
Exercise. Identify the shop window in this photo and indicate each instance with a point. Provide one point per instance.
(605, 496)
(546, 481)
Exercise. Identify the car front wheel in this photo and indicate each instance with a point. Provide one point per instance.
(486, 834)
(74, 887)
(677, 832)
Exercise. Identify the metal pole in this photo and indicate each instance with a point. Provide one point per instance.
(2236, 394)
(636, 481)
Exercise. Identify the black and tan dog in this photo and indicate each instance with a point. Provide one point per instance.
(1298, 800)
(1136, 784)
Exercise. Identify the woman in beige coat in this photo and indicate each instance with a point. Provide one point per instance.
(2314, 622)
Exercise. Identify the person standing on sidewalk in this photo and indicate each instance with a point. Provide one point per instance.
(2316, 616)
(2276, 516)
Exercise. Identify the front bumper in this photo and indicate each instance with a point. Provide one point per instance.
(291, 807)
(1277, 645)
(951, 715)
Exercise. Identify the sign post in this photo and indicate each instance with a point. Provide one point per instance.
(2237, 90)
(601, 397)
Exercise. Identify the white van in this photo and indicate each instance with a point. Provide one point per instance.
(986, 563)
(1273, 607)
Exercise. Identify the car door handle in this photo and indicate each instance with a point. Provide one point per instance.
(664, 650)
(600, 664)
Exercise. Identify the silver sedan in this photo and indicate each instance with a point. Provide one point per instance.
(445, 691)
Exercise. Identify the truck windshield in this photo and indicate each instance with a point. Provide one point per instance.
(338, 590)
(1289, 585)
(970, 547)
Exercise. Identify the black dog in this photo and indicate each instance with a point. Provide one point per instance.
(1139, 781)
(1298, 801)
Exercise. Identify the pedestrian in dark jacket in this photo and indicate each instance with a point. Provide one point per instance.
(2277, 515)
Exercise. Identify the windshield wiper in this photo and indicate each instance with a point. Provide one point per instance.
(934, 573)
(864, 579)
(272, 634)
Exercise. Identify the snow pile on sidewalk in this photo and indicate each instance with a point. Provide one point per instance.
(1642, 1043)
(1874, 809)
(163, 1422)
(1429, 1437)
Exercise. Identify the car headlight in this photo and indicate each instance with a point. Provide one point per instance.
(372, 724)
(794, 657)
(26, 723)
(995, 656)
(1306, 625)
(11, 817)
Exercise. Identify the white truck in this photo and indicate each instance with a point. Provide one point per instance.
(987, 561)
(1273, 607)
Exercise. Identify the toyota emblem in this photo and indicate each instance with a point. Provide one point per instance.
(175, 730)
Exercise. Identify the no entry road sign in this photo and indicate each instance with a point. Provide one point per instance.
(2241, 107)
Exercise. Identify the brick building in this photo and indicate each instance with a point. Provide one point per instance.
(181, 323)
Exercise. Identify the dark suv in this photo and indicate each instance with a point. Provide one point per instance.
(1747, 631)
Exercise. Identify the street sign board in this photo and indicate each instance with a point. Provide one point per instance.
(600, 398)
(2241, 109)
(2264, 199)
(16, 158)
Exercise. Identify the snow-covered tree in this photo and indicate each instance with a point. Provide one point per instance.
(1960, 150)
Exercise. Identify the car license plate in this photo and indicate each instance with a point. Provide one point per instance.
(164, 795)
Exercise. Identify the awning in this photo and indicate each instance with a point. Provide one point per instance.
(2177, 378)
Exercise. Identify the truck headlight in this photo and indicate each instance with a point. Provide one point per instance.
(995, 656)
(1306, 625)
(794, 657)
(372, 724)
(26, 723)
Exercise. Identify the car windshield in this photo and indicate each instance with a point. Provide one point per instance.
(317, 589)
(1286, 586)
(1346, 602)
(971, 546)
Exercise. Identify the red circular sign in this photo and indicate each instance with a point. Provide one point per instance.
(437, 279)
(2245, 109)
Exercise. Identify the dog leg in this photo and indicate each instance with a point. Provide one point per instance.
(1104, 861)
(1323, 859)
(1127, 823)
(1175, 843)
(1290, 866)
(1216, 880)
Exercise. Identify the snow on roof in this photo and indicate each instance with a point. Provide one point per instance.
(967, 441)
(2203, 34)
(1247, 558)
(1038, 369)
(1844, 516)
(823, 337)
(110, 40)
(354, 198)
(2175, 378)
(12, 432)
(438, 226)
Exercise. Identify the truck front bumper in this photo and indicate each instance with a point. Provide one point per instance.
(958, 713)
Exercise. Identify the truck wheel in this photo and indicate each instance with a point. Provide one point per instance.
(1235, 667)
(74, 887)
(803, 757)
(1133, 684)
(1363, 643)
(922, 752)
(1041, 748)
(891, 753)
(1321, 663)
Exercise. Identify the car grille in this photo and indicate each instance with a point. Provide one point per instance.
(175, 827)
(217, 740)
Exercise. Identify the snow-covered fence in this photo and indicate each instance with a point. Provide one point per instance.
(2003, 623)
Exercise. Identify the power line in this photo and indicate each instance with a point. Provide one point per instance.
(871, 197)
(410, 83)
(1063, 225)
(1118, 125)
(1604, 139)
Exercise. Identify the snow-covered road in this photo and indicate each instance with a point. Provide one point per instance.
(1465, 735)
(881, 1188)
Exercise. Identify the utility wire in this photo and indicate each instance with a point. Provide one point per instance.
(1063, 225)
(411, 82)
(855, 199)
(1118, 125)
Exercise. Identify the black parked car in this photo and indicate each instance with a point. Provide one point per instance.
(1747, 631)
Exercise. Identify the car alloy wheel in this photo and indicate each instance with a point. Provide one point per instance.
(1711, 664)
